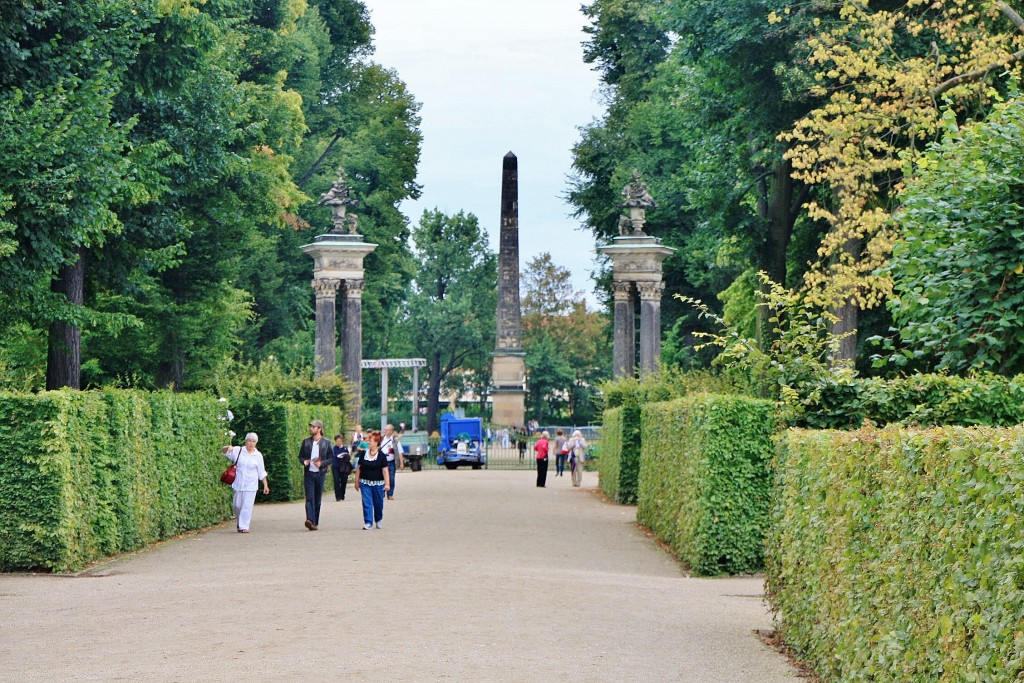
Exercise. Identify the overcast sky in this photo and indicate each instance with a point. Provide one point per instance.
(495, 76)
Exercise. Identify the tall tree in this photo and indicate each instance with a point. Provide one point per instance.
(883, 71)
(567, 346)
(67, 160)
(450, 319)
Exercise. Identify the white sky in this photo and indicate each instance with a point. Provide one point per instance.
(495, 76)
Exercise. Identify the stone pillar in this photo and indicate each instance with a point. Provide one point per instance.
(352, 351)
(636, 260)
(323, 350)
(650, 325)
(624, 348)
(508, 368)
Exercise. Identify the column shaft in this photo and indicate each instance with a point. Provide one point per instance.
(324, 360)
(352, 352)
(650, 326)
(624, 348)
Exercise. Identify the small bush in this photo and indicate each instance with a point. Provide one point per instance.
(895, 554)
(704, 479)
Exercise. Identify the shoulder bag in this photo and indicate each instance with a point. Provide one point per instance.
(229, 474)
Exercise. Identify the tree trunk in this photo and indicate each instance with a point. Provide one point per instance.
(433, 391)
(64, 357)
(847, 314)
(775, 206)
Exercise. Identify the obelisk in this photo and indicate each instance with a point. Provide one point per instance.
(508, 375)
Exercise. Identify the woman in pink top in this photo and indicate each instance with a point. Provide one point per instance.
(542, 458)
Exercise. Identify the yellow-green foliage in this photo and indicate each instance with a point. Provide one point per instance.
(87, 474)
(898, 554)
(704, 479)
(281, 428)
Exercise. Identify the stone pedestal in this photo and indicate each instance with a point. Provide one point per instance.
(636, 269)
(337, 261)
(508, 377)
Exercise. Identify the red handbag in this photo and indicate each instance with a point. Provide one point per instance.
(229, 474)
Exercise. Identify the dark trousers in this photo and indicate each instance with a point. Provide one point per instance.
(392, 468)
(340, 482)
(314, 485)
(542, 471)
(560, 464)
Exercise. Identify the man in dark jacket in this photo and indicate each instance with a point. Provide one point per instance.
(315, 456)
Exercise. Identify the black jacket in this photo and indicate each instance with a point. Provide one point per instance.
(306, 453)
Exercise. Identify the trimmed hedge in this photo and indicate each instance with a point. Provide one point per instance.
(898, 555)
(87, 474)
(923, 400)
(619, 465)
(704, 479)
(281, 428)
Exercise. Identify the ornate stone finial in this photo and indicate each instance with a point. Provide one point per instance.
(339, 199)
(638, 200)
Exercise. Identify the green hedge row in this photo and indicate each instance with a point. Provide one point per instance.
(609, 465)
(281, 428)
(619, 464)
(898, 554)
(704, 479)
(923, 400)
(87, 474)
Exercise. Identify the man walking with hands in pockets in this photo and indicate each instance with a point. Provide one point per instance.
(315, 455)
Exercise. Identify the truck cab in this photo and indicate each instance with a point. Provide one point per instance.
(462, 442)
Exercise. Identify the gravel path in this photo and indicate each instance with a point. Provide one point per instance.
(477, 576)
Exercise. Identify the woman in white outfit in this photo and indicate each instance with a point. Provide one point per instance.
(577, 446)
(249, 472)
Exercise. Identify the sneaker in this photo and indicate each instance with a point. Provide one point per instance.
(309, 525)
(367, 527)
(380, 525)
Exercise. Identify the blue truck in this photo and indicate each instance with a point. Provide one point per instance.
(462, 442)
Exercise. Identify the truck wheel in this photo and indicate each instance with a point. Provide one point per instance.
(477, 466)
(451, 465)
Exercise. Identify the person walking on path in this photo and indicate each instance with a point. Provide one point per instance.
(577, 446)
(372, 481)
(542, 459)
(392, 448)
(358, 437)
(560, 453)
(249, 472)
(341, 467)
(315, 455)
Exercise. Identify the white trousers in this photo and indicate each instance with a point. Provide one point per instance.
(244, 502)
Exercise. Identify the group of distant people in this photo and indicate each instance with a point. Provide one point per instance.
(374, 456)
(572, 450)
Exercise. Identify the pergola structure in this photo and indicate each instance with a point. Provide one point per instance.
(385, 364)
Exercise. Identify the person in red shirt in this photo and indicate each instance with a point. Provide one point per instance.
(542, 458)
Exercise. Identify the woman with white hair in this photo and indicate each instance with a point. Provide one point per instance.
(577, 446)
(249, 472)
